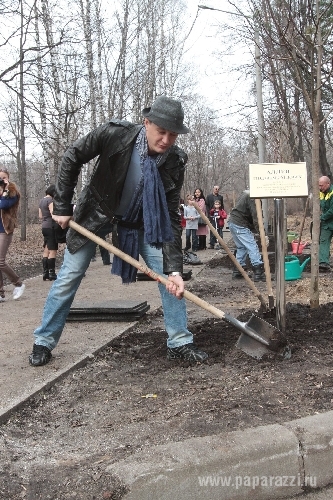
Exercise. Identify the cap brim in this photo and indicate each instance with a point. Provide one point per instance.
(145, 111)
(160, 122)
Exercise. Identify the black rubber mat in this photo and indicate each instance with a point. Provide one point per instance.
(112, 310)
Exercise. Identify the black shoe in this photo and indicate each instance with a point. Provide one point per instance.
(211, 247)
(40, 355)
(324, 267)
(45, 269)
(52, 275)
(187, 352)
(259, 273)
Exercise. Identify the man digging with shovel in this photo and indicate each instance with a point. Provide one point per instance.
(135, 188)
(242, 222)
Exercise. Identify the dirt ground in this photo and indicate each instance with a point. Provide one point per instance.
(129, 397)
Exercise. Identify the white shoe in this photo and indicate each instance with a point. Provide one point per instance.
(18, 291)
(2, 299)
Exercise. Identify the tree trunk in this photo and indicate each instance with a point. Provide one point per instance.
(42, 105)
(21, 135)
(316, 99)
(59, 116)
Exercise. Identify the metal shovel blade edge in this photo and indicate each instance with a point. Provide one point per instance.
(259, 338)
(257, 350)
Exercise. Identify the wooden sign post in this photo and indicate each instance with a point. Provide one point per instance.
(279, 181)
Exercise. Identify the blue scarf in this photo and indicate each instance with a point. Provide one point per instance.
(148, 202)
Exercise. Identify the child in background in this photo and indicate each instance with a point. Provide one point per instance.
(192, 217)
(218, 216)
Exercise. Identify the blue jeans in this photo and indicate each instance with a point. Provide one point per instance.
(63, 290)
(245, 244)
(195, 241)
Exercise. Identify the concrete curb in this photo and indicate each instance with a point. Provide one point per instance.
(262, 463)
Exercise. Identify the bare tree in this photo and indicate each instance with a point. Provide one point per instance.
(42, 103)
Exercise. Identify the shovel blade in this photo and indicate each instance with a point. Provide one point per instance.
(276, 341)
(252, 347)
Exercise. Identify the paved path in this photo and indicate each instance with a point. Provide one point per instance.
(79, 340)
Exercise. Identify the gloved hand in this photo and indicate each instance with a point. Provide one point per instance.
(266, 241)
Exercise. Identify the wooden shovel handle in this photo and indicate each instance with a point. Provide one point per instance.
(143, 268)
(231, 255)
(264, 248)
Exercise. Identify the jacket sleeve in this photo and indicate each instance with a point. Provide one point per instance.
(7, 202)
(328, 214)
(172, 252)
(80, 152)
(253, 212)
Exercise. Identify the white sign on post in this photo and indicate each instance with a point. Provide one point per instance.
(278, 180)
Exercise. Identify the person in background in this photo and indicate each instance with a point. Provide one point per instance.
(326, 223)
(181, 215)
(243, 222)
(210, 200)
(137, 191)
(50, 244)
(9, 204)
(103, 251)
(202, 230)
(218, 216)
(192, 217)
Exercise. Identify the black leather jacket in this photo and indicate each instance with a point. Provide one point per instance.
(113, 143)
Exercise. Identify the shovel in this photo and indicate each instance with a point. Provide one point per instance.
(265, 256)
(232, 257)
(258, 337)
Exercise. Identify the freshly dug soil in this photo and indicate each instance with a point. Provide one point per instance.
(129, 397)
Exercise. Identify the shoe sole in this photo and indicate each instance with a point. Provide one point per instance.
(45, 361)
(181, 358)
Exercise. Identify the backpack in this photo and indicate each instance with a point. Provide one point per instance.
(191, 258)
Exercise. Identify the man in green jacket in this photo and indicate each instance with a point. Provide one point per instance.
(326, 223)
